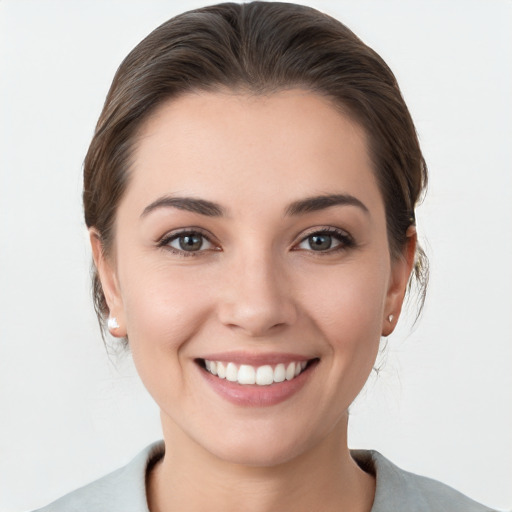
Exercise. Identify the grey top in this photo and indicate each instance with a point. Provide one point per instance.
(124, 490)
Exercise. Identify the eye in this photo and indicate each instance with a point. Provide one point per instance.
(326, 240)
(320, 242)
(187, 243)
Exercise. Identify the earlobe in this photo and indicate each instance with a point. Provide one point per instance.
(109, 285)
(401, 269)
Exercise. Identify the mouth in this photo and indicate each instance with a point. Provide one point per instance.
(251, 375)
(256, 380)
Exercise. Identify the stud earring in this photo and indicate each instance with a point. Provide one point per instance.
(391, 318)
(112, 323)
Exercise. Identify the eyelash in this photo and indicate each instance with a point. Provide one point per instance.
(170, 237)
(345, 241)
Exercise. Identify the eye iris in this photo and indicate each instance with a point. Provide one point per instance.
(191, 242)
(320, 242)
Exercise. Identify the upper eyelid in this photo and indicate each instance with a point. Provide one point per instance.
(324, 229)
(169, 235)
(344, 237)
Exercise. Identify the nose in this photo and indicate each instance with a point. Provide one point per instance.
(256, 297)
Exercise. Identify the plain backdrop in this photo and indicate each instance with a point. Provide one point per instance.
(442, 403)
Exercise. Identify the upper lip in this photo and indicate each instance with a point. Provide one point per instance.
(256, 359)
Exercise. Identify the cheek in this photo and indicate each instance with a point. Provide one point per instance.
(348, 314)
(164, 309)
(349, 305)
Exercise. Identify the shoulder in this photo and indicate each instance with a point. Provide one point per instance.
(122, 490)
(398, 490)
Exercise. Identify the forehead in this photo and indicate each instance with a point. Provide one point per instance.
(291, 143)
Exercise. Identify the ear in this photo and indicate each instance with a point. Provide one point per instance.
(401, 269)
(109, 284)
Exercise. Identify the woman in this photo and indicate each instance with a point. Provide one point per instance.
(250, 194)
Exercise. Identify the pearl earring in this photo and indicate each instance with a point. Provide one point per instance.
(112, 323)
(390, 318)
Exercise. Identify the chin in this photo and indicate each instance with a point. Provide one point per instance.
(262, 445)
(256, 454)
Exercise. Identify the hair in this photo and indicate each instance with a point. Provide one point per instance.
(257, 48)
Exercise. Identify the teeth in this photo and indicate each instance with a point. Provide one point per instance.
(246, 374)
(279, 373)
(290, 371)
(231, 372)
(262, 375)
(221, 370)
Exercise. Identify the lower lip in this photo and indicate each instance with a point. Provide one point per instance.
(252, 395)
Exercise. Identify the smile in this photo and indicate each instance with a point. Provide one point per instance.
(256, 380)
(246, 374)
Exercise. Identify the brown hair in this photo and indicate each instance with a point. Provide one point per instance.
(260, 48)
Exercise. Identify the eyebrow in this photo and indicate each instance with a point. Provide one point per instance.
(189, 204)
(211, 209)
(316, 203)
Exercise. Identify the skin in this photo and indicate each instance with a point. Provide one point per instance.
(256, 287)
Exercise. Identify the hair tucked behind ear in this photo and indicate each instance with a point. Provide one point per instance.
(260, 48)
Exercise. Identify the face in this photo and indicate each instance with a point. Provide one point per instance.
(251, 271)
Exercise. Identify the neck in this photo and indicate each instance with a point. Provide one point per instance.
(325, 477)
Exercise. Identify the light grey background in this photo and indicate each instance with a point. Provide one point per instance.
(442, 405)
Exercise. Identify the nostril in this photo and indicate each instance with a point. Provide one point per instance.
(256, 308)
